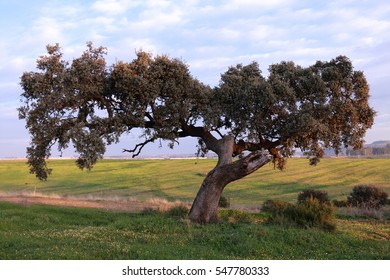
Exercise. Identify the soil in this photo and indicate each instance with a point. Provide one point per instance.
(115, 204)
(120, 205)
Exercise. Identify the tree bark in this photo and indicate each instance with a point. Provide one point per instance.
(205, 206)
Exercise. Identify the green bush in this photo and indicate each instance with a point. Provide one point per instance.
(180, 211)
(321, 196)
(150, 211)
(339, 203)
(234, 216)
(274, 206)
(224, 202)
(310, 213)
(367, 196)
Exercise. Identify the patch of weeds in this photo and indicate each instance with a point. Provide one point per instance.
(234, 216)
(274, 206)
(339, 203)
(224, 202)
(177, 212)
(307, 214)
(359, 212)
(150, 211)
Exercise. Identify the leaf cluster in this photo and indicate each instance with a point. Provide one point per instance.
(89, 105)
(368, 196)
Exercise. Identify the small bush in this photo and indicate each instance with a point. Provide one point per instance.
(180, 211)
(310, 213)
(234, 216)
(150, 211)
(367, 196)
(274, 206)
(224, 202)
(339, 203)
(321, 196)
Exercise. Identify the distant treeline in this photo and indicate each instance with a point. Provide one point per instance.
(370, 151)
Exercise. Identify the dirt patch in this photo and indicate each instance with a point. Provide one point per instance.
(120, 205)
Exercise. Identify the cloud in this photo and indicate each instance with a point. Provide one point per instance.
(155, 19)
(114, 7)
(209, 36)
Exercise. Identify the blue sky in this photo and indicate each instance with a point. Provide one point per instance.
(209, 35)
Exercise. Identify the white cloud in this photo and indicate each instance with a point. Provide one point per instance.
(209, 35)
(126, 48)
(255, 5)
(156, 19)
(114, 7)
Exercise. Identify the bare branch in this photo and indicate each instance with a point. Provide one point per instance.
(138, 148)
(219, 133)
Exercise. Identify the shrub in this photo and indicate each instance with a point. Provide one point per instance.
(310, 213)
(180, 211)
(367, 196)
(150, 211)
(224, 202)
(274, 205)
(234, 216)
(339, 203)
(321, 196)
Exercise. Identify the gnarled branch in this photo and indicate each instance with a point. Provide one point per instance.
(138, 148)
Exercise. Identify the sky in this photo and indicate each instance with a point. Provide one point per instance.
(209, 36)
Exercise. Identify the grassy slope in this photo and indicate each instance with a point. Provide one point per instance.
(180, 179)
(45, 232)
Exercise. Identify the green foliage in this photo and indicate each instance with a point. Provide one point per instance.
(179, 211)
(274, 206)
(89, 105)
(310, 213)
(321, 196)
(224, 202)
(339, 203)
(367, 196)
(234, 216)
(313, 209)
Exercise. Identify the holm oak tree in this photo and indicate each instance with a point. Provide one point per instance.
(88, 104)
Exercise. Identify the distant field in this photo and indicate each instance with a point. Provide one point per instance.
(180, 179)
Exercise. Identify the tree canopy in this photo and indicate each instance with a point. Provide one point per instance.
(89, 104)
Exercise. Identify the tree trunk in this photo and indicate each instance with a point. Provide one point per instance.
(205, 206)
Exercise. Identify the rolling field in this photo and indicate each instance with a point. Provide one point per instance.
(180, 179)
(30, 231)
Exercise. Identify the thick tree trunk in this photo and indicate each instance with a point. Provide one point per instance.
(205, 206)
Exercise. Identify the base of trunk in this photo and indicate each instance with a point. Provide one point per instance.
(205, 206)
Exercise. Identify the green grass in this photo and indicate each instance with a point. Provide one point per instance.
(180, 179)
(47, 232)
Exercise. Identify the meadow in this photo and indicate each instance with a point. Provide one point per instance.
(48, 232)
(51, 232)
(181, 179)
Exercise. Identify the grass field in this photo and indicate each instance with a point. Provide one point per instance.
(47, 232)
(180, 179)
